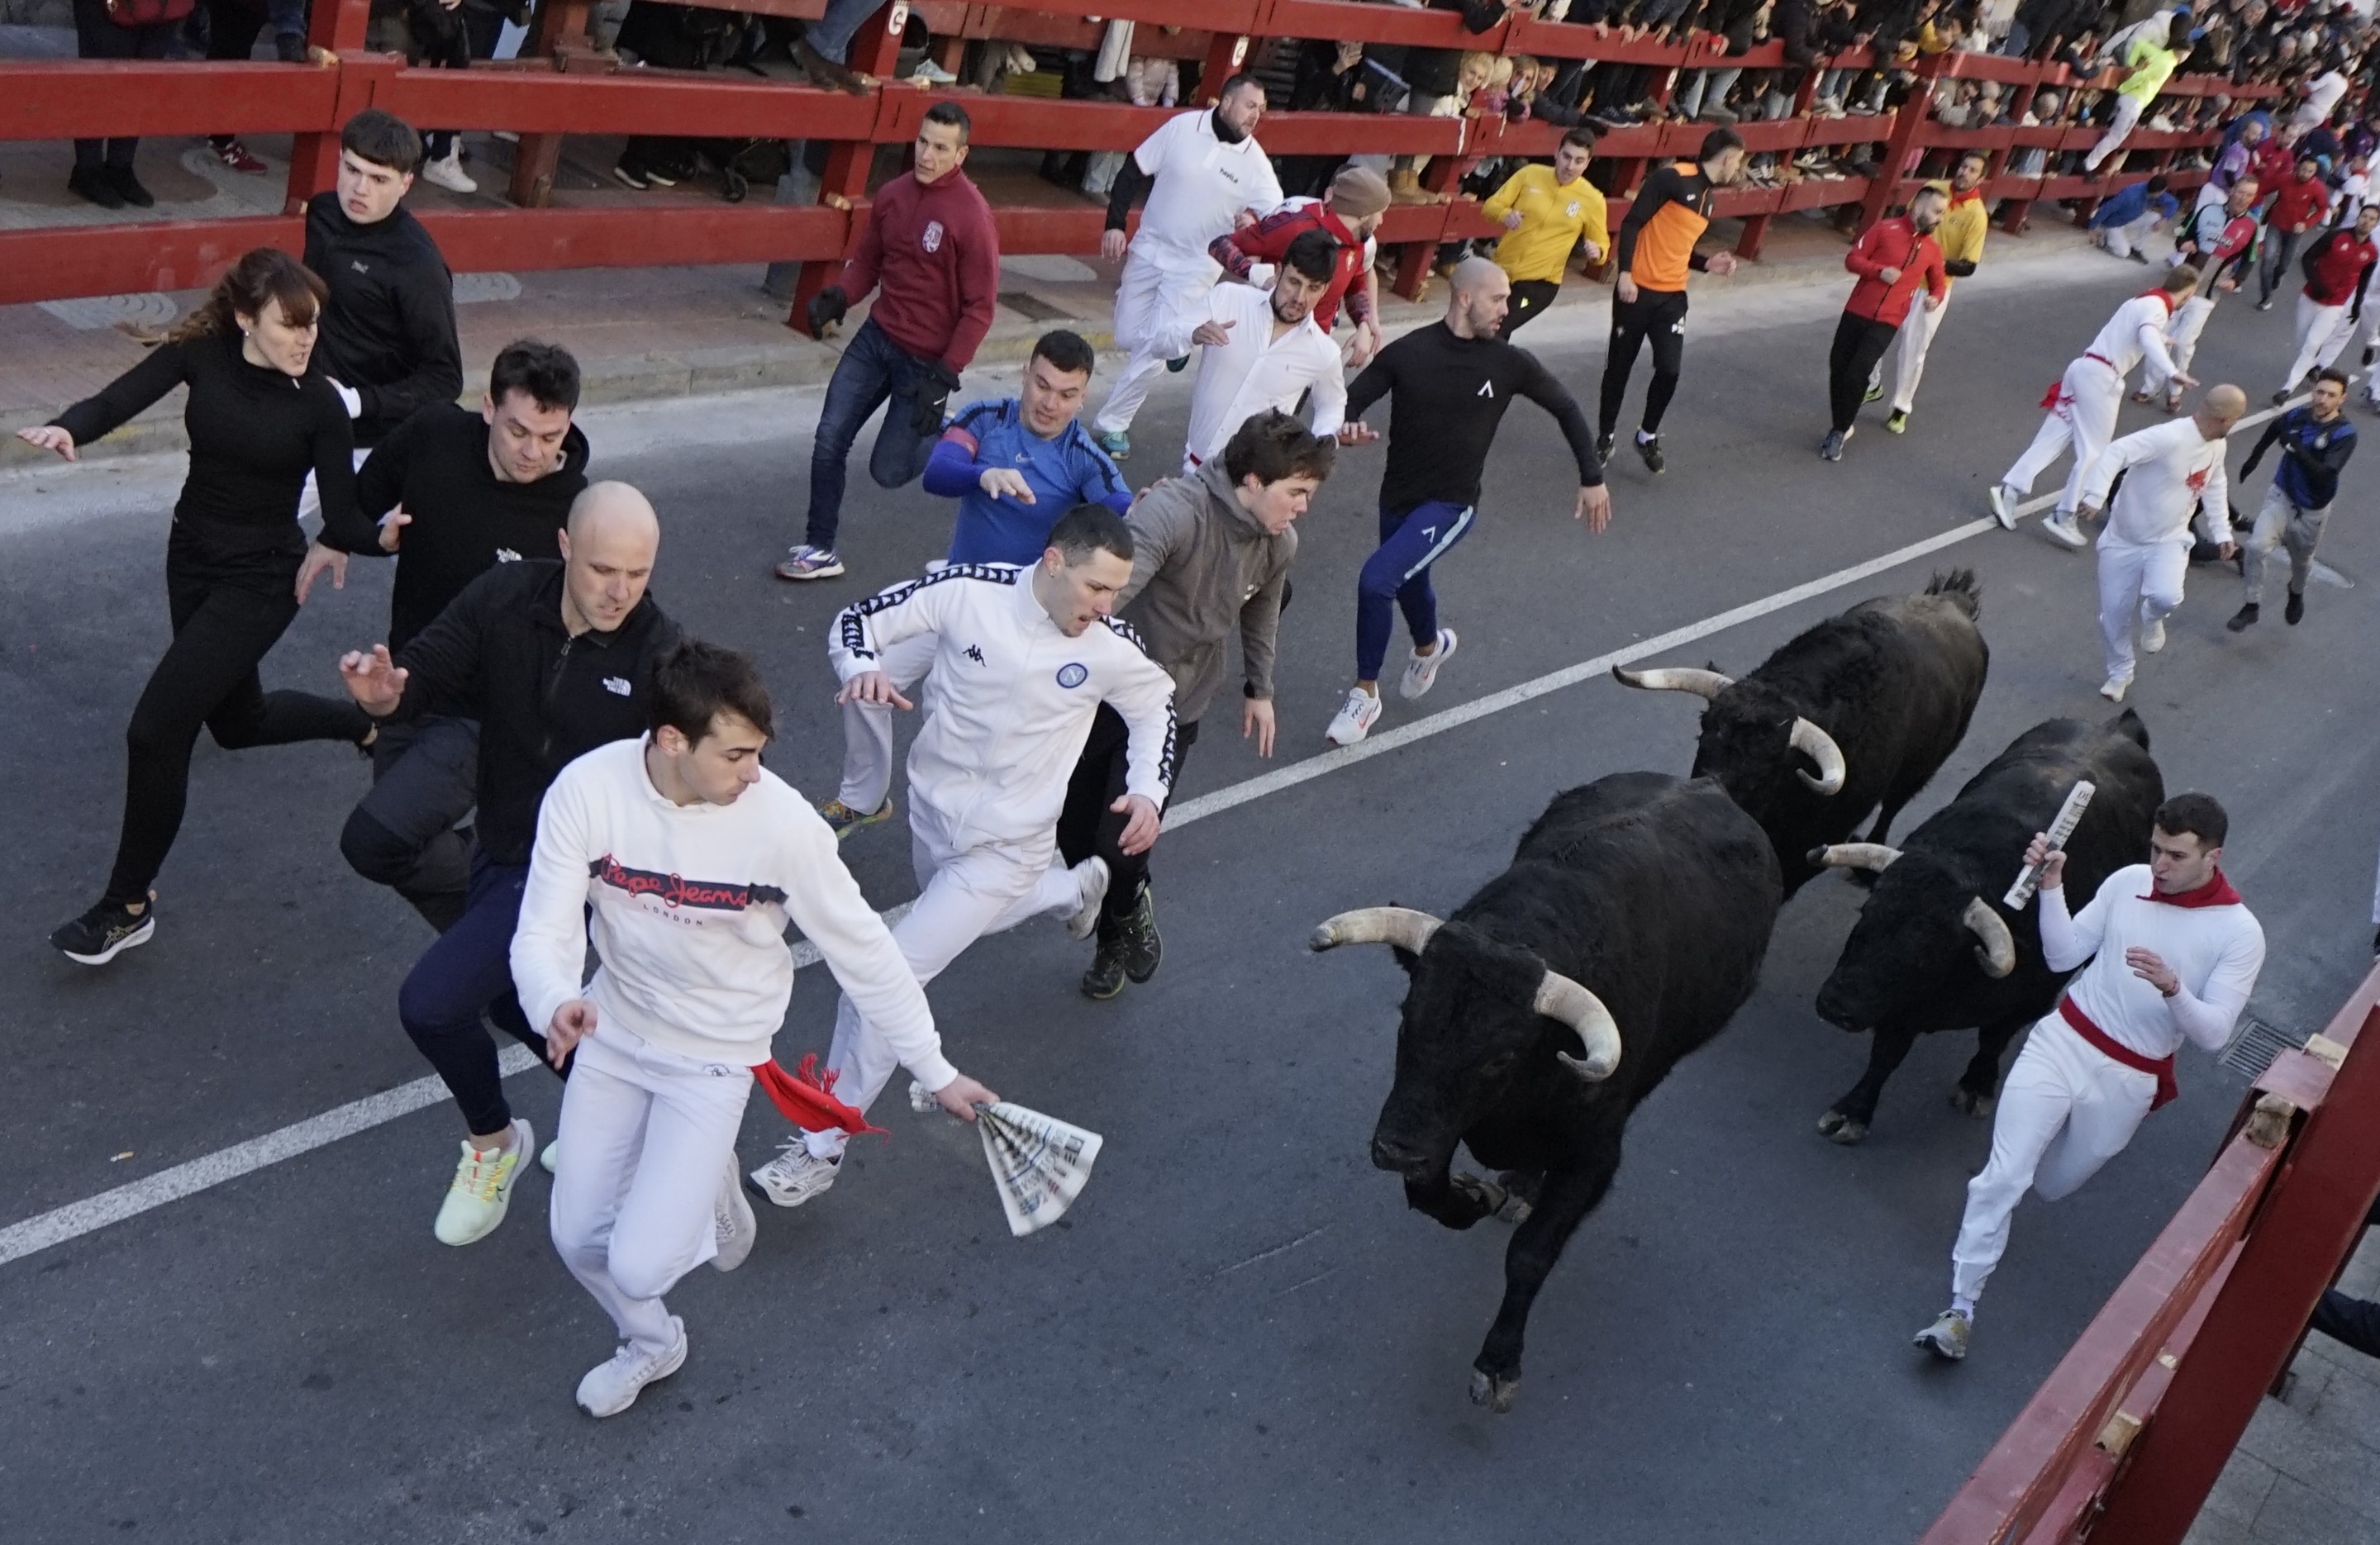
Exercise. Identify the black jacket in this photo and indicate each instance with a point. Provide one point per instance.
(500, 654)
(389, 331)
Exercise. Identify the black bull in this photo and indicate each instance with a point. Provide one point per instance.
(1916, 960)
(1853, 714)
(1629, 927)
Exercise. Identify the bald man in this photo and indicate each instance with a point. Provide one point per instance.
(553, 659)
(2170, 471)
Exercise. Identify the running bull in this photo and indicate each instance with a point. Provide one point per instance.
(1935, 949)
(1853, 716)
(1629, 927)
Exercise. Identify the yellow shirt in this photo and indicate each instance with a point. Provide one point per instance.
(1960, 234)
(1552, 219)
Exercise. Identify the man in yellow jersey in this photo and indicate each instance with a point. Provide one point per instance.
(1668, 215)
(1547, 210)
(1960, 237)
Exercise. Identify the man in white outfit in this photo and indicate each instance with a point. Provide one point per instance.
(2144, 551)
(692, 859)
(1023, 658)
(2173, 955)
(1205, 175)
(2082, 404)
(1261, 350)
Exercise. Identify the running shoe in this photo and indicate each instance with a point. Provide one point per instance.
(2004, 500)
(1106, 977)
(550, 1155)
(1897, 422)
(2245, 618)
(2114, 688)
(843, 820)
(483, 1188)
(1143, 949)
(1875, 388)
(2152, 636)
(447, 173)
(1421, 672)
(1947, 1337)
(629, 176)
(1115, 442)
(237, 156)
(929, 73)
(810, 562)
(795, 1176)
(1831, 448)
(1356, 717)
(1650, 448)
(1091, 874)
(611, 1388)
(2281, 397)
(2059, 527)
(2293, 611)
(1603, 447)
(1178, 365)
(106, 931)
(732, 1222)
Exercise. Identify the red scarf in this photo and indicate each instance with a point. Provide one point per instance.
(2160, 1067)
(1967, 197)
(2216, 892)
(807, 1098)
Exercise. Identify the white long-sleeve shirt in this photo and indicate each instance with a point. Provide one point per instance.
(2170, 471)
(1011, 701)
(2214, 952)
(1254, 370)
(2136, 333)
(690, 906)
(1201, 185)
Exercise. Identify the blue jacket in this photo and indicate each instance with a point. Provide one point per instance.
(2312, 456)
(2127, 204)
(1062, 471)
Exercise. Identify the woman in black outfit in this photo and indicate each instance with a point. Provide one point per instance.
(257, 423)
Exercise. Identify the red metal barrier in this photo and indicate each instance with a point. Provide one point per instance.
(564, 86)
(2124, 1440)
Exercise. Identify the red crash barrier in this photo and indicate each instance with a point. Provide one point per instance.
(2126, 1437)
(565, 86)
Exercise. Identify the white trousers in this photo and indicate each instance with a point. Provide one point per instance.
(2283, 524)
(1154, 289)
(2128, 116)
(2321, 332)
(2133, 235)
(647, 1138)
(2065, 1110)
(2181, 336)
(2136, 581)
(2083, 421)
(966, 895)
(1916, 337)
(867, 727)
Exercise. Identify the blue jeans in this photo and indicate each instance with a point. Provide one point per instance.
(2018, 42)
(832, 33)
(466, 973)
(872, 370)
(1397, 577)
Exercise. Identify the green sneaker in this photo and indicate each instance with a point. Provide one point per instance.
(843, 820)
(483, 1188)
(1896, 423)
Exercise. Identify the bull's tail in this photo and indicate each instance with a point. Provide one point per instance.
(1960, 589)
(2128, 724)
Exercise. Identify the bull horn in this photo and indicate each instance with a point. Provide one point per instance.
(1401, 926)
(1559, 997)
(1705, 685)
(1997, 951)
(1820, 747)
(1874, 857)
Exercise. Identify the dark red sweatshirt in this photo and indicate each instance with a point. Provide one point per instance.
(2336, 268)
(932, 247)
(2298, 205)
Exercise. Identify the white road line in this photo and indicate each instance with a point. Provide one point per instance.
(78, 1218)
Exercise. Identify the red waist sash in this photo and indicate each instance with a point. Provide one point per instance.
(2160, 1067)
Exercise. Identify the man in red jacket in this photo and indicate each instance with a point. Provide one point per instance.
(2337, 270)
(930, 247)
(1892, 260)
(2298, 206)
(1349, 214)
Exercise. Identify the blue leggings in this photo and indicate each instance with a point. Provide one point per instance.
(1410, 540)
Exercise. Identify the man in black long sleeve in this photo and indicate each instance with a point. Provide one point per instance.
(552, 660)
(1448, 385)
(457, 493)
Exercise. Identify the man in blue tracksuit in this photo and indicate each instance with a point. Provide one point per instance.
(2124, 219)
(2315, 441)
(1014, 464)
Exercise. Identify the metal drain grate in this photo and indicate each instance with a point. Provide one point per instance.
(1033, 308)
(2252, 1049)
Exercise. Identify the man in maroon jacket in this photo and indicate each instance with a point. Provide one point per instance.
(2338, 271)
(1349, 214)
(2298, 206)
(931, 249)
(1892, 260)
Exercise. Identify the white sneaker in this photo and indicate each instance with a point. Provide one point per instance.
(447, 173)
(2114, 688)
(550, 1155)
(483, 1188)
(2004, 503)
(1421, 672)
(1092, 874)
(611, 1388)
(731, 1217)
(2059, 527)
(795, 1176)
(1356, 717)
(2152, 636)
(929, 73)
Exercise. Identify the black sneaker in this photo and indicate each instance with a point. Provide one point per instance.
(630, 176)
(127, 188)
(1831, 448)
(1105, 979)
(1603, 443)
(2245, 618)
(104, 932)
(1143, 949)
(1650, 449)
(2293, 613)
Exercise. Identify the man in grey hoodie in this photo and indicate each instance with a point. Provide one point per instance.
(1210, 560)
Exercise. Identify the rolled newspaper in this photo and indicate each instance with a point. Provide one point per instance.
(1038, 1163)
(2070, 816)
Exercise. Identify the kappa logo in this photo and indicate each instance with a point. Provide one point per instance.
(616, 685)
(975, 653)
(932, 240)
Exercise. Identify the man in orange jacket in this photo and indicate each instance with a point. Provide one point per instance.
(1892, 260)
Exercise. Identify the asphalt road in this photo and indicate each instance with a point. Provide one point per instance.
(1240, 1333)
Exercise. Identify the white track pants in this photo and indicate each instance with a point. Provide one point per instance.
(2128, 118)
(966, 895)
(2283, 524)
(2136, 582)
(1155, 288)
(2064, 1111)
(647, 1138)
(2083, 421)
(2321, 332)
(2181, 336)
(867, 727)
(2130, 238)
(1916, 337)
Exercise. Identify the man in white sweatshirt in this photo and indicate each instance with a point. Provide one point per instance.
(2170, 471)
(2084, 401)
(1023, 658)
(1262, 349)
(693, 857)
(2173, 957)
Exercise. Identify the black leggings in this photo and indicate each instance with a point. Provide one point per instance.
(97, 37)
(1657, 314)
(1087, 827)
(1530, 298)
(1860, 341)
(223, 626)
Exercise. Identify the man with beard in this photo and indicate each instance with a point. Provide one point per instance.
(1892, 260)
(1262, 349)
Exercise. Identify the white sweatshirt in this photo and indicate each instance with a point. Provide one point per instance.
(1012, 702)
(1254, 370)
(2214, 952)
(691, 905)
(1201, 187)
(2168, 471)
(2136, 333)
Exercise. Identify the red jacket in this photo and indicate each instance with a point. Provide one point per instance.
(1893, 244)
(2336, 266)
(2298, 205)
(932, 247)
(1268, 241)
(2273, 165)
